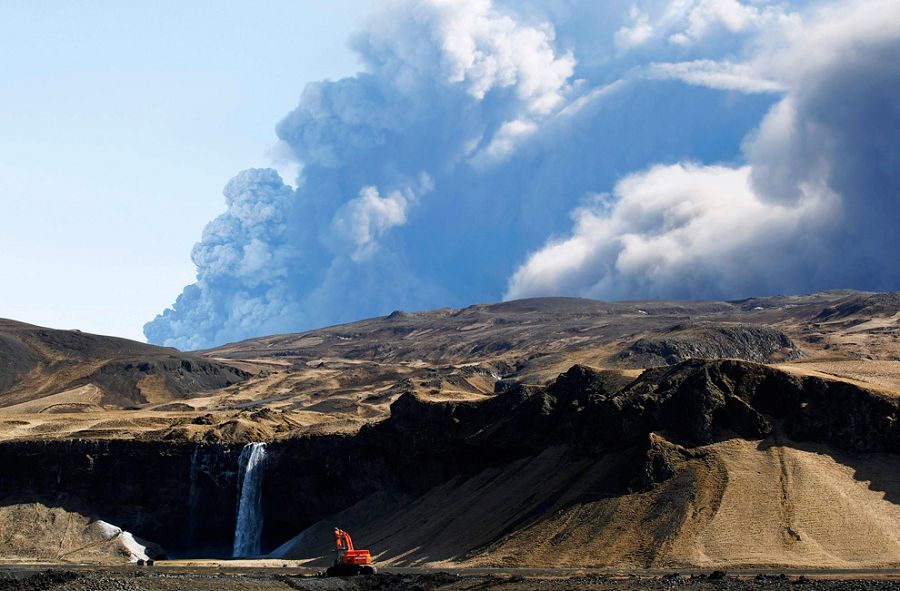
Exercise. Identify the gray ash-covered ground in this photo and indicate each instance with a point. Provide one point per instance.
(160, 580)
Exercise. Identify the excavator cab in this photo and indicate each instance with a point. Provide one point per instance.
(348, 560)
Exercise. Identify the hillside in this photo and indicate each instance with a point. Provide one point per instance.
(34, 531)
(65, 371)
(70, 384)
(706, 463)
(443, 353)
(720, 464)
(552, 432)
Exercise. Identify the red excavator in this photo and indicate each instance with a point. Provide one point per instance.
(349, 561)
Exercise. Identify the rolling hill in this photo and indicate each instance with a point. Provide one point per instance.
(67, 371)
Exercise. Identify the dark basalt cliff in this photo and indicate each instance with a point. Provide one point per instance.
(749, 342)
(184, 496)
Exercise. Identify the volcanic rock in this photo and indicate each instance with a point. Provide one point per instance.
(761, 344)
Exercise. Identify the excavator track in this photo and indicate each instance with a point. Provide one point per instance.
(350, 570)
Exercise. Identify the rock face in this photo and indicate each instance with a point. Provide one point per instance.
(748, 342)
(699, 402)
(183, 494)
(583, 431)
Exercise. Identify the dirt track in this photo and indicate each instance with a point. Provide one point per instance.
(196, 579)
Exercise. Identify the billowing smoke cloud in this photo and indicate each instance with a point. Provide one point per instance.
(447, 83)
(817, 206)
(244, 267)
(479, 129)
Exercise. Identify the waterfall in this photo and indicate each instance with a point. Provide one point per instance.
(193, 496)
(248, 529)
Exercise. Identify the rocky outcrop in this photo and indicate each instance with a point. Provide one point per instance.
(178, 376)
(748, 342)
(699, 402)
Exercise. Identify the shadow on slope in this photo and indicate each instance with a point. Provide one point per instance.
(697, 464)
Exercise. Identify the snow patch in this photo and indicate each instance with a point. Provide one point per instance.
(136, 550)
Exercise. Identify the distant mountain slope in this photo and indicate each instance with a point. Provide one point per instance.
(46, 370)
(537, 325)
(340, 377)
(533, 340)
(751, 329)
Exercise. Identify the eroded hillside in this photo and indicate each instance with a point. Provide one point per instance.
(65, 384)
(549, 432)
(67, 371)
(706, 463)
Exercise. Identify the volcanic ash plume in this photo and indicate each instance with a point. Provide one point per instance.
(499, 149)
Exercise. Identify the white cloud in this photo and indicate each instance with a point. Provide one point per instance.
(485, 49)
(682, 227)
(810, 210)
(505, 141)
(637, 32)
(722, 75)
(361, 222)
(730, 15)
(688, 23)
(246, 242)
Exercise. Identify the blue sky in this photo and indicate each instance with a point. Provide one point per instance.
(437, 153)
(120, 122)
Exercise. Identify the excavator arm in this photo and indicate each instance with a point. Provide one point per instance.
(343, 544)
(342, 540)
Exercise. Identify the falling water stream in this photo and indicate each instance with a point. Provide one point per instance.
(248, 529)
(192, 495)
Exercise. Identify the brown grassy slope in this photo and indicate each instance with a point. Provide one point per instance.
(743, 485)
(66, 384)
(736, 503)
(535, 339)
(37, 532)
(76, 371)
